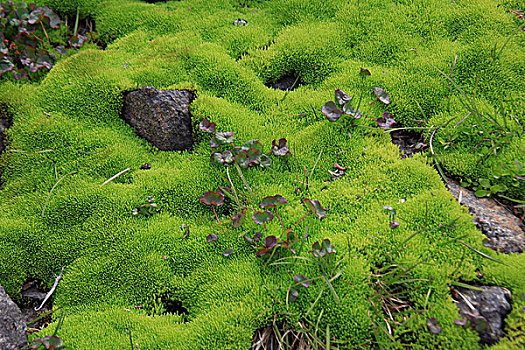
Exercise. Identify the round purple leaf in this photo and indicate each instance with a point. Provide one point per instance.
(272, 201)
(315, 207)
(341, 98)
(260, 217)
(211, 197)
(432, 326)
(381, 95)
(331, 111)
(227, 252)
(270, 242)
(207, 126)
(211, 238)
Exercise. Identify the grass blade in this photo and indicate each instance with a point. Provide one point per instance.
(482, 254)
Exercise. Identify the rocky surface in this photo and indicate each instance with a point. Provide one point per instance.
(161, 116)
(503, 229)
(12, 325)
(485, 311)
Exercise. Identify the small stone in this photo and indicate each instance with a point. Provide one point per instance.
(492, 305)
(146, 166)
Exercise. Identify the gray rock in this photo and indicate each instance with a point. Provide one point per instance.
(161, 116)
(486, 310)
(12, 326)
(503, 229)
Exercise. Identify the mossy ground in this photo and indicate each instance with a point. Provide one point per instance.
(114, 261)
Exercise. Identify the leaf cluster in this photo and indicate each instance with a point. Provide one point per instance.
(250, 154)
(22, 36)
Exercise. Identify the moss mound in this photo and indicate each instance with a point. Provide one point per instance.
(452, 70)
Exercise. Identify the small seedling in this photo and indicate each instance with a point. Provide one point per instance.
(273, 202)
(386, 121)
(381, 95)
(392, 212)
(48, 342)
(147, 209)
(432, 326)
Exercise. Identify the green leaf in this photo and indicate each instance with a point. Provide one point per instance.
(498, 188)
(485, 183)
(482, 193)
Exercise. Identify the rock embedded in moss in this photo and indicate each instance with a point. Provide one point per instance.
(160, 116)
(12, 326)
(504, 231)
(491, 306)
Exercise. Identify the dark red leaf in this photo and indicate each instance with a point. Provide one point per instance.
(211, 197)
(315, 207)
(341, 98)
(226, 157)
(280, 148)
(270, 242)
(260, 217)
(381, 95)
(386, 121)
(365, 72)
(207, 126)
(302, 280)
(77, 41)
(262, 252)
(331, 111)
(211, 238)
(221, 138)
(238, 219)
(272, 201)
(394, 224)
(432, 325)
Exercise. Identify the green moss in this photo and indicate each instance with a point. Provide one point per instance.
(68, 127)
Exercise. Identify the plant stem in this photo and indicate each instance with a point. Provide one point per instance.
(304, 217)
(276, 212)
(52, 188)
(245, 182)
(216, 217)
(76, 22)
(233, 187)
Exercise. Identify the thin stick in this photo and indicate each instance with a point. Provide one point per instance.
(130, 339)
(233, 187)
(317, 161)
(51, 290)
(461, 121)
(115, 176)
(52, 188)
